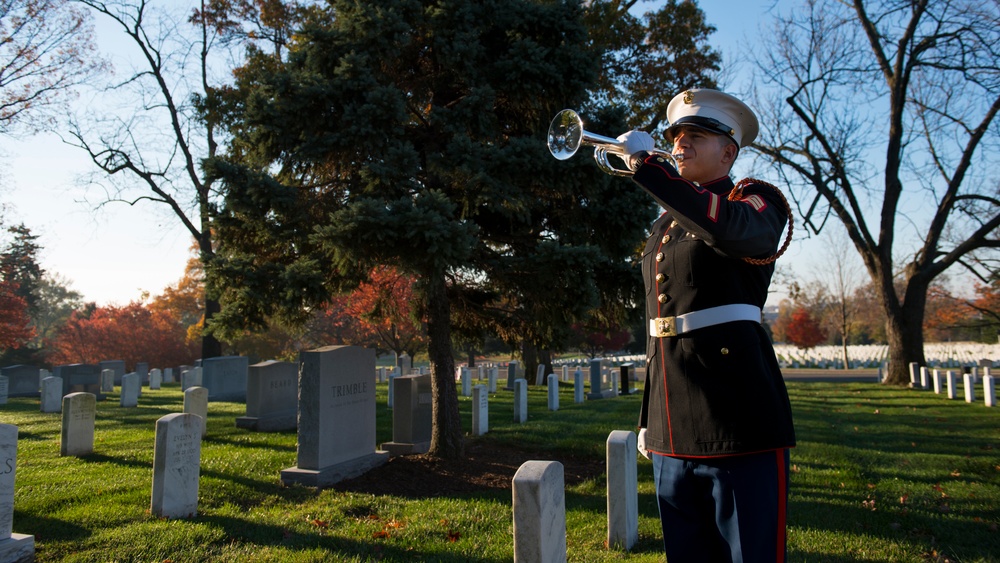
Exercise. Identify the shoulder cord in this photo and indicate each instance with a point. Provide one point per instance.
(737, 194)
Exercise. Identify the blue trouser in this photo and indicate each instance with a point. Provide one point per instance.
(724, 509)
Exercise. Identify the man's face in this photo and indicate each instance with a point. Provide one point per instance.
(706, 156)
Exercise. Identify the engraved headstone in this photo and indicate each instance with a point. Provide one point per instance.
(623, 492)
(553, 390)
(52, 394)
(107, 381)
(196, 403)
(79, 413)
(491, 378)
(13, 547)
(411, 415)
(176, 466)
(511, 375)
(130, 391)
(155, 379)
(520, 401)
(336, 417)
(480, 410)
(117, 366)
(84, 378)
(272, 397)
(190, 378)
(23, 381)
(539, 506)
(578, 386)
(225, 378)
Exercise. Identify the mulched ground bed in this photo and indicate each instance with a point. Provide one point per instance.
(485, 467)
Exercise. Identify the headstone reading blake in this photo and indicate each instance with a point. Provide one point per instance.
(79, 413)
(411, 415)
(225, 378)
(13, 547)
(272, 397)
(176, 466)
(336, 417)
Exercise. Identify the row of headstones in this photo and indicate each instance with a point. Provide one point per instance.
(176, 463)
(53, 394)
(225, 377)
(410, 398)
(922, 378)
(539, 505)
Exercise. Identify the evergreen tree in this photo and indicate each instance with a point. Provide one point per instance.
(411, 134)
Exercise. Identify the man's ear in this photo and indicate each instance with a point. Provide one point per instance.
(729, 153)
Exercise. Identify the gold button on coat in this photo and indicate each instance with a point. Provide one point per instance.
(662, 298)
(660, 277)
(666, 239)
(659, 257)
(724, 351)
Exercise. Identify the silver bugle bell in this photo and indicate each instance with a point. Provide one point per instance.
(566, 134)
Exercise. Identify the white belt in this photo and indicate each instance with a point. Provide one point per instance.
(672, 326)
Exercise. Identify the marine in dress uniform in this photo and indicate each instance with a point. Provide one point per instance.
(715, 418)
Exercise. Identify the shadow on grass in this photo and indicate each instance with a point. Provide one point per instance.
(48, 529)
(337, 547)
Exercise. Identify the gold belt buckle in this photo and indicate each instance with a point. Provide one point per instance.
(665, 326)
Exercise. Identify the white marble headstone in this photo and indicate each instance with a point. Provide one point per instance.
(79, 413)
(176, 466)
(130, 391)
(52, 388)
(196, 403)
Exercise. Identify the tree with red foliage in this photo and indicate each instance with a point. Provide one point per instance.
(15, 325)
(133, 333)
(803, 330)
(378, 314)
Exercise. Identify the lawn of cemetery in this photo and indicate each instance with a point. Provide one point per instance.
(879, 474)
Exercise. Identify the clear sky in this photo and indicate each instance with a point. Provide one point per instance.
(113, 254)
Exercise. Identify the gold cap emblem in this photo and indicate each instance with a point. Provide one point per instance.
(688, 97)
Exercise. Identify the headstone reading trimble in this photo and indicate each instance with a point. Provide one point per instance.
(336, 417)
(176, 466)
(79, 412)
(13, 547)
(272, 397)
(225, 378)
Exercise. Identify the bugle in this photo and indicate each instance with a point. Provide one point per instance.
(566, 135)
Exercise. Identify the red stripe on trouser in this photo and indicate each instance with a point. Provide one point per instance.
(782, 501)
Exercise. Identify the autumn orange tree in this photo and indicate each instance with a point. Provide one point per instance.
(15, 325)
(803, 330)
(133, 333)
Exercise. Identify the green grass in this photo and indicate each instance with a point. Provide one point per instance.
(880, 474)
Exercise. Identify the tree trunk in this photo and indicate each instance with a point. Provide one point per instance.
(529, 355)
(210, 345)
(446, 433)
(905, 333)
